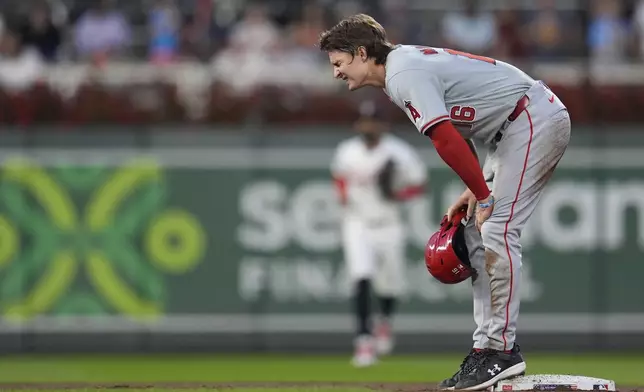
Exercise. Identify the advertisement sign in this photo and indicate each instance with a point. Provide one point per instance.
(210, 239)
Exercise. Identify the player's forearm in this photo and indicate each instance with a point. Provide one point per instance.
(454, 150)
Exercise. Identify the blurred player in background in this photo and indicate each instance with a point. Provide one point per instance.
(374, 172)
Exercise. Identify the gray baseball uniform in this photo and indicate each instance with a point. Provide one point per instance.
(479, 95)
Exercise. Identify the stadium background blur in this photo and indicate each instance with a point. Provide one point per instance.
(165, 182)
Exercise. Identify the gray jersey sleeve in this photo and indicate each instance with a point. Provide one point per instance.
(420, 94)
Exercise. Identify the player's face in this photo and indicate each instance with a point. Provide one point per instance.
(352, 69)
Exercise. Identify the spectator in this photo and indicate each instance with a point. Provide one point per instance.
(512, 42)
(470, 30)
(164, 26)
(255, 32)
(190, 40)
(608, 32)
(40, 32)
(102, 32)
(58, 12)
(20, 66)
(204, 32)
(307, 29)
(547, 31)
(250, 56)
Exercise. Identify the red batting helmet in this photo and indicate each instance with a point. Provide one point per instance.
(446, 254)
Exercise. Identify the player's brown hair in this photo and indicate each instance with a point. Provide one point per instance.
(356, 31)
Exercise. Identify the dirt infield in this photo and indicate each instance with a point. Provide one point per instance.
(389, 387)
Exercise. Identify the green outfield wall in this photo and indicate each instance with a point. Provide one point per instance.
(234, 239)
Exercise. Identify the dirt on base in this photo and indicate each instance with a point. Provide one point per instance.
(389, 387)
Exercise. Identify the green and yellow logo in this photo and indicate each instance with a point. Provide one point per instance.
(91, 240)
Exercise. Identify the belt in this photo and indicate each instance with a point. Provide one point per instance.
(522, 104)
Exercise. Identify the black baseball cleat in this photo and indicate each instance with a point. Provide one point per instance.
(493, 367)
(467, 365)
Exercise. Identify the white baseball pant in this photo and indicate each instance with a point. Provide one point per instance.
(376, 253)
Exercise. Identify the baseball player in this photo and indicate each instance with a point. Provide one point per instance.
(374, 172)
(454, 98)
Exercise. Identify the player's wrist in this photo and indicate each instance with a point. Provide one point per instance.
(482, 194)
(487, 202)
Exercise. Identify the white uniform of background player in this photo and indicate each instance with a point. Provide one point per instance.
(374, 239)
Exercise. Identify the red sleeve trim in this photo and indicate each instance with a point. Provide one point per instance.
(433, 122)
(341, 188)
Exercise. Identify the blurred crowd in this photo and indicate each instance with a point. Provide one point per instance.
(206, 30)
(247, 42)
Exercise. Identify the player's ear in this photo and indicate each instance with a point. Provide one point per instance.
(362, 53)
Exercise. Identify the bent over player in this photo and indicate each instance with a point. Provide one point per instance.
(374, 172)
(451, 97)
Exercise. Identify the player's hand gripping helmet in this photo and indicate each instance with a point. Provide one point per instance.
(446, 254)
